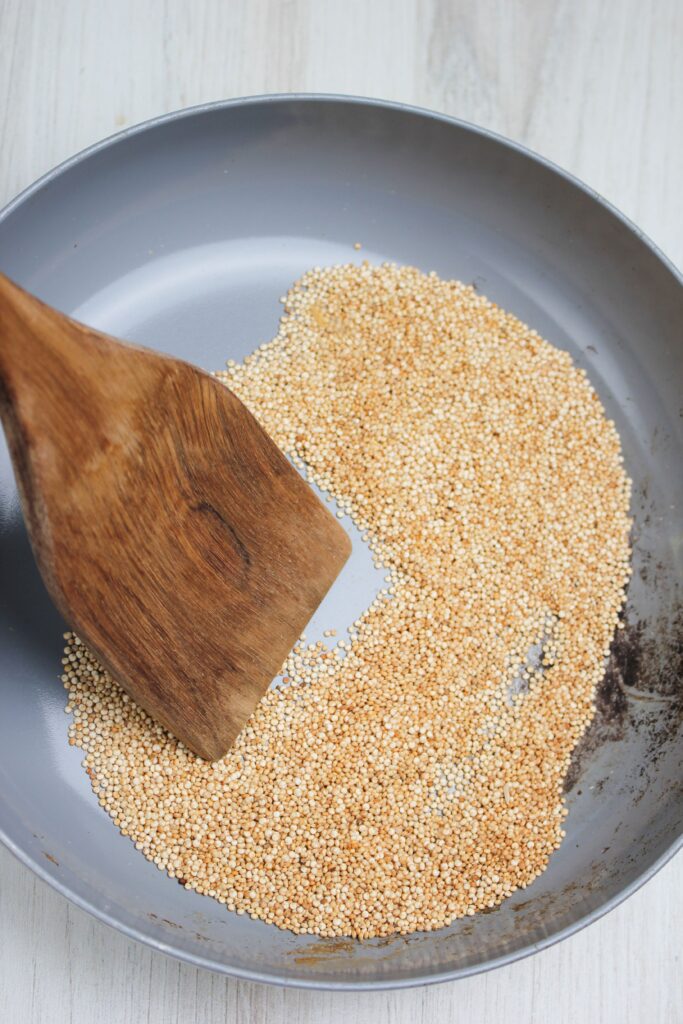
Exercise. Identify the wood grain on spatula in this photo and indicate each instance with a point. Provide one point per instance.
(172, 533)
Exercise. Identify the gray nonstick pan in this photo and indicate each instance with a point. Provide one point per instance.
(183, 234)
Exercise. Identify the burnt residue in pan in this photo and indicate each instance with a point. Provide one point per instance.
(645, 666)
(611, 706)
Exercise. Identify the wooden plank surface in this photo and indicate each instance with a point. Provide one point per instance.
(595, 85)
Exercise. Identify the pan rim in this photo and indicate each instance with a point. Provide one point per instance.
(100, 913)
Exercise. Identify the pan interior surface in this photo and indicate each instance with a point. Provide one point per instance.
(183, 235)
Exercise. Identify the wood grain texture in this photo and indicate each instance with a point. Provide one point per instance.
(171, 532)
(595, 85)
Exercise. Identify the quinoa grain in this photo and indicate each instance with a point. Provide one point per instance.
(415, 775)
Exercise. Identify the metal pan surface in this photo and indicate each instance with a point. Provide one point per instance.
(182, 234)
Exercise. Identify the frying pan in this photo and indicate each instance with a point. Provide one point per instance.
(182, 234)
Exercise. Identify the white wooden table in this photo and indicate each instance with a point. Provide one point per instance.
(597, 86)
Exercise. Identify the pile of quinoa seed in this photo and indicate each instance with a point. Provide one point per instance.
(412, 773)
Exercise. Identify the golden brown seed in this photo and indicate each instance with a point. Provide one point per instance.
(418, 778)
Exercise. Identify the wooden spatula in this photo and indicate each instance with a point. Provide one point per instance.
(172, 533)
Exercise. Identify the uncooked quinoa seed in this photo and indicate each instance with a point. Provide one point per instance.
(412, 772)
